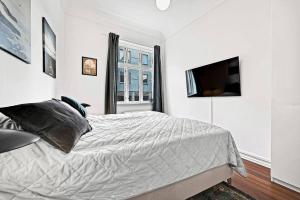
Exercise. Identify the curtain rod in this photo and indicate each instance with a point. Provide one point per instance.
(126, 41)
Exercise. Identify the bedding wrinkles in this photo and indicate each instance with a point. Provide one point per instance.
(124, 156)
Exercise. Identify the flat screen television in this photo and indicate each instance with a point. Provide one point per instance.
(217, 79)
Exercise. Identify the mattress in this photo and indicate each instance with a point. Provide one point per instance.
(124, 156)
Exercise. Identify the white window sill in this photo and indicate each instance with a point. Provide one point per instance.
(133, 103)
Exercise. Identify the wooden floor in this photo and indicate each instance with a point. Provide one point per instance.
(258, 184)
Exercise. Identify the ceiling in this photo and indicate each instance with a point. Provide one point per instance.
(145, 13)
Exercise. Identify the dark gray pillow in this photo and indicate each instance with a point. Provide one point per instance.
(85, 105)
(52, 121)
(75, 104)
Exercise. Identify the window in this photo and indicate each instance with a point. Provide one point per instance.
(145, 59)
(121, 78)
(121, 55)
(135, 69)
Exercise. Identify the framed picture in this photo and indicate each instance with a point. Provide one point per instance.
(89, 66)
(49, 50)
(15, 28)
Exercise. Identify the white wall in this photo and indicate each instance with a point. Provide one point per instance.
(21, 82)
(235, 28)
(264, 33)
(86, 34)
(286, 93)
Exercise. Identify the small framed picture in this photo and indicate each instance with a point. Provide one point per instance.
(89, 66)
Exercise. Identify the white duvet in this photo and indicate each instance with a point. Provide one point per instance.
(124, 156)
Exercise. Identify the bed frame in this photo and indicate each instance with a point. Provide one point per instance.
(189, 187)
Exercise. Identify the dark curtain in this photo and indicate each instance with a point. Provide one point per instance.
(157, 93)
(111, 74)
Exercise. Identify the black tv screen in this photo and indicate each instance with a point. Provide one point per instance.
(217, 79)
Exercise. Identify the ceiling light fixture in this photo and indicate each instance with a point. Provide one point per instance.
(163, 4)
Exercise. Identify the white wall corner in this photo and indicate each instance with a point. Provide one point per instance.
(284, 184)
(255, 159)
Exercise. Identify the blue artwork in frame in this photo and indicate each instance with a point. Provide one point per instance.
(15, 28)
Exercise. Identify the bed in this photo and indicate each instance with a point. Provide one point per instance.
(138, 156)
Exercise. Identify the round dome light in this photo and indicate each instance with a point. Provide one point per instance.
(163, 4)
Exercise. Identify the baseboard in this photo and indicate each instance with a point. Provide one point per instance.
(266, 163)
(256, 159)
(289, 186)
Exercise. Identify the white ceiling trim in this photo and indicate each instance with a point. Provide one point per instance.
(128, 24)
(143, 16)
(111, 22)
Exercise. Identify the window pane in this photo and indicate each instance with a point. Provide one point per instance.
(145, 60)
(147, 86)
(120, 84)
(121, 55)
(133, 56)
(133, 77)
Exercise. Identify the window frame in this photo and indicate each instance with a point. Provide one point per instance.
(141, 69)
